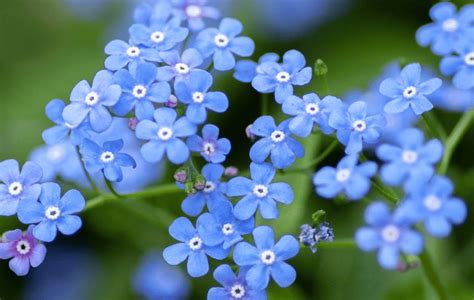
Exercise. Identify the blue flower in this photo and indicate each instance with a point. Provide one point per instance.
(140, 91)
(178, 67)
(107, 159)
(162, 32)
(276, 142)
(164, 136)
(267, 258)
(355, 127)
(280, 78)
(122, 54)
(194, 93)
(461, 65)
(407, 91)
(233, 287)
(194, 11)
(93, 101)
(212, 148)
(309, 111)
(192, 248)
(450, 98)
(389, 234)
(348, 177)
(18, 186)
(448, 27)
(434, 205)
(246, 70)
(56, 134)
(52, 213)
(213, 192)
(409, 160)
(259, 193)
(223, 43)
(23, 249)
(220, 227)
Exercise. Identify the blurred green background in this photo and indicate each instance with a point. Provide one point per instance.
(46, 48)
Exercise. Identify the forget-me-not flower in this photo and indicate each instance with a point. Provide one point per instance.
(461, 65)
(52, 212)
(178, 67)
(212, 148)
(194, 11)
(246, 70)
(122, 54)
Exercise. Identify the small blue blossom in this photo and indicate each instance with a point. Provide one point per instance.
(311, 236)
(213, 192)
(308, 111)
(220, 227)
(192, 248)
(108, 159)
(122, 54)
(52, 213)
(164, 136)
(58, 133)
(409, 160)
(246, 70)
(275, 142)
(447, 29)
(450, 98)
(23, 249)
(18, 186)
(92, 102)
(194, 11)
(212, 148)
(233, 287)
(355, 127)
(259, 193)
(280, 78)
(140, 91)
(348, 177)
(407, 91)
(194, 93)
(178, 67)
(223, 43)
(389, 234)
(267, 258)
(434, 205)
(461, 65)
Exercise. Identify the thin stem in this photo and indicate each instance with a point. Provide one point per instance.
(454, 138)
(315, 162)
(89, 178)
(434, 126)
(338, 243)
(432, 276)
(387, 193)
(265, 99)
(326, 83)
(111, 188)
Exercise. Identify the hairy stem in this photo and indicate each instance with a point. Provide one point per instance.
(432, 276)
(434, 125)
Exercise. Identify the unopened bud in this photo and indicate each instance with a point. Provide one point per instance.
(172, 101)
(320, 68)
(181, 175)
(248, 132)
(200, 182)
(231, 171)
(132, 123)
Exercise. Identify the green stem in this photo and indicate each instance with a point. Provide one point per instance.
(111, 188)
(454, 138)
(386, 192)
(432, 276)
(89, 178)
(434, 126)
(265, 99)
(326, 83)
(338, 243)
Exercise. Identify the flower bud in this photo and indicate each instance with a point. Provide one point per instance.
(132, 123)
(231, 171)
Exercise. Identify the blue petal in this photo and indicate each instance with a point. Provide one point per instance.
(176, 254)
(245, 254)
(242, 46)
(261, 150)
(283, 274)
(177, 151)
(246, 207)
(281, 192)
(258, 277)
(367, 239)
(198, 264)
(268, 208)
(216, 101)
(153, 151)
(72, 202)
(30, 212)
(388, 257)
(262, 173)
(223, 60)
(45, 231)
(193, 204)
(182, 229)
(239, 186)
(69, 225)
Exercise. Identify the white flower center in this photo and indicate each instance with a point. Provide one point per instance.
(277, 136)
(208, 148)
(107, 157)
(157, 37)
(469, 59)
(193, 11)
(139, 91)
(237, 291)
(23, 247)
(283, 77)
(267, 257)
(133, 52)
(198, 97)
(312, 109)
(182, 68)
(15, 188)
(390, 233)
(221, 40)
(409, 156)
(343, 175)
(410, 92)
(432, 203)
(450, 25)
(260, 190)
(227, 229)
(55, 154)
(165, 133)
(359, 125)
(209, 187)
(92, 98)
(52, 213)
(195, 243)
